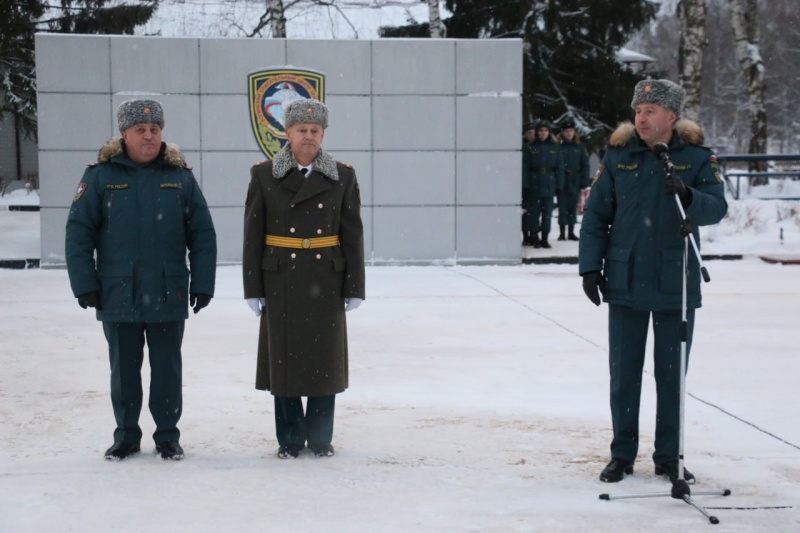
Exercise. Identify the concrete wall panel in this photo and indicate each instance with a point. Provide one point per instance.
(414, 178)
(157, 65)
(58, 71)
(346, 64)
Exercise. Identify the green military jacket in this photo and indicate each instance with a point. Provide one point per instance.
(128, 232)
(545, 168)
(630, 228)
(576, 167)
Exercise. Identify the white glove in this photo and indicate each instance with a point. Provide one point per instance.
(256, 304)
(352, 303)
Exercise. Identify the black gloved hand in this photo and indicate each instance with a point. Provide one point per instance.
(594, 285)
(90, 299)
(198, 301)
(674, 185)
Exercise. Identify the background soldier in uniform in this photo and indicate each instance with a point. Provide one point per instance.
(139, 208)
(545, 175)
(528, 136)
(631, 251)
(576, 178)
(303, 267)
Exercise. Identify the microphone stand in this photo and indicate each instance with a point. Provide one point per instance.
(680, 488)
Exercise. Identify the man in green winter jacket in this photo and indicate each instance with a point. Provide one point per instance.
(631, 251)
(576, 178)
(136, 212)
(545, 175)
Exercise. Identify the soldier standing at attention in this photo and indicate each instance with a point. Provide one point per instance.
(135, 214)
(545, 175)
(576, 178)
(631, 251)
(303, 267)
(528, 136)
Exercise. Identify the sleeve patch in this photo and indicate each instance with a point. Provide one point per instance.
(79, 192)
(597, 176)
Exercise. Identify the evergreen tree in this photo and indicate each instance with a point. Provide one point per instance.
(17, 78)
(570, 67)
(21, 19)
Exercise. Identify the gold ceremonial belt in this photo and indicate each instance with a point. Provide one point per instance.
(295, 242)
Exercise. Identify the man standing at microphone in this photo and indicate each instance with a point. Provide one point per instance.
(631, 252)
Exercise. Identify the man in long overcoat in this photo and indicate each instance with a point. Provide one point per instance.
(134, 216)
(632, 252)
(303, 267)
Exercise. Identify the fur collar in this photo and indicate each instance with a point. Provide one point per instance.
(284, 161)
(689, 132)
(113, 147)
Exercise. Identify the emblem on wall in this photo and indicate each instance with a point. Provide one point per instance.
(268, 91)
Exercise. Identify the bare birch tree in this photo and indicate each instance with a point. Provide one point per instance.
(277, 19)
(435, 24)
(692, 16)
(747, 34)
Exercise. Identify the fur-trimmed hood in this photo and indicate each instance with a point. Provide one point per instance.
(689, 132)
(284, 161)
(113, 147)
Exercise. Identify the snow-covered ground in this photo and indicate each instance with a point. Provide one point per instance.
(478, 402)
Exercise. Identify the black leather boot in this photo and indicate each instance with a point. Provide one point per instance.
(545, 244)
(572, 235)
(616, 470)
(561, 236)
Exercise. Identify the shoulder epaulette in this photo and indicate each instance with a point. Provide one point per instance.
(348, 165)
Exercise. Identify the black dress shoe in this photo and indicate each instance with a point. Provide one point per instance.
(121, 450)
(670, 469)
(322, 450)
(616, 470)
(284, 452)
(170, 450)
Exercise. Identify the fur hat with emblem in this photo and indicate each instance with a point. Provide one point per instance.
(305, 110)
(139, 111)
(665, 93)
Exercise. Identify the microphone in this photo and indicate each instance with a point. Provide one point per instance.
(662, 152)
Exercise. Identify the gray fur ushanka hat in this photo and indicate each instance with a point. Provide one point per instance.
(665, 93)
(139, 111)
(305, 110)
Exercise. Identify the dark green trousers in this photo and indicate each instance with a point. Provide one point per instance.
(540, 213)
(567, 209)
(627, 333)
(126, 342)
(294, 428)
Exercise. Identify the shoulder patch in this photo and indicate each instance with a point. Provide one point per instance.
(79, 192)
(597, 176)
(715, 167)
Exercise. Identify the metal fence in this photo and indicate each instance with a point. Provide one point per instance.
(733, 176)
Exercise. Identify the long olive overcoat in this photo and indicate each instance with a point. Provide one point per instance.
(302, 346)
